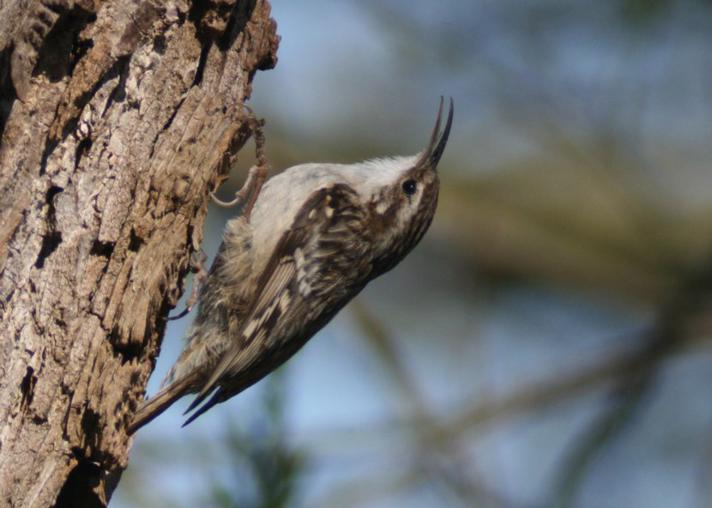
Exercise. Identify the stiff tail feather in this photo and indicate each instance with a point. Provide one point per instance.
(154, 406)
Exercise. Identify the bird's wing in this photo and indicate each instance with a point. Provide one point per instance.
(277, 287)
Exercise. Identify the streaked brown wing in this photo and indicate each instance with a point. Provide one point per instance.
(278, 284)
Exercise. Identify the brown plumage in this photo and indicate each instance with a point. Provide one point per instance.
(317, 235)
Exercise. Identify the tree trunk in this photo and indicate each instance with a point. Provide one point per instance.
(116, 119)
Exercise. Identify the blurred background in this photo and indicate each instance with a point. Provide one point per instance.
(547, 344)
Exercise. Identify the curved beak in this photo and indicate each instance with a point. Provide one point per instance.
(431, 155)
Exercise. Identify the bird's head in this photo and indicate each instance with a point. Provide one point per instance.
(402, 196)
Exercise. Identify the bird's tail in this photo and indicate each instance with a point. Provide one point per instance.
(154, 406)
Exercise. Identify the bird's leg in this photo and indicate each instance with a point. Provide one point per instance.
(257, 174)
(197, 266)
(249, 192)
(245, 197)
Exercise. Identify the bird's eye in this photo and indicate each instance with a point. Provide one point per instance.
(409, 187)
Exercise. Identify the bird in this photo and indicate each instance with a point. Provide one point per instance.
(305, 243)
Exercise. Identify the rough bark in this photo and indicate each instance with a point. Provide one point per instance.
(116, 118)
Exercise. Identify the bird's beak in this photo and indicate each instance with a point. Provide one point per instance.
(431, 155)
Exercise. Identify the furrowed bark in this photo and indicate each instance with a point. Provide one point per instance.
(116, 119)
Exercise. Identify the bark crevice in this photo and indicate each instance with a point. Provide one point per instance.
(106, 163)
(61, 48)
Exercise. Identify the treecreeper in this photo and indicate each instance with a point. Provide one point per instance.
(304, 244)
